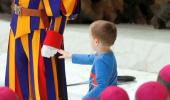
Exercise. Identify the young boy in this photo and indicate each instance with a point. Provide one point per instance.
(164, 77)
(104, 67)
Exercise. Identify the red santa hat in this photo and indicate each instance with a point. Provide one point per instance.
(165, 73)
(152, 91)
(7, 94)
(114, 93)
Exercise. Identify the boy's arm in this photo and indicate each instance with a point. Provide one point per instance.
(77, 58)
(82, 59)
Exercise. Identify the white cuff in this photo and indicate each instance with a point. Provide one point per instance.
(48, 51)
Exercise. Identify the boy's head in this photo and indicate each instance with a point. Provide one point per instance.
(7, 94)
(114, 93)
(103, 33)
(152, 91)
(164, 77)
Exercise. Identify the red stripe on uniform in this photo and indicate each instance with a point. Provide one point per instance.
(42, 78)
(17, 88)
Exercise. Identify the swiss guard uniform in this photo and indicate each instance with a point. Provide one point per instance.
(35, 23)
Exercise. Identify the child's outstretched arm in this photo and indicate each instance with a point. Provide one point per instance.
(77, 58)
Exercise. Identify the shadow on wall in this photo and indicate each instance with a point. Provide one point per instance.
(5, 6)
(118, 11)
(122, 11)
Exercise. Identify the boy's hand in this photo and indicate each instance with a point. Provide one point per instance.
(64, 54)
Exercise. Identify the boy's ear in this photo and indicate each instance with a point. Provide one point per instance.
(96, 41)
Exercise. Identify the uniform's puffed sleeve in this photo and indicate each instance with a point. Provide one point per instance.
(52, 7)
(58, 9)
(70, 8)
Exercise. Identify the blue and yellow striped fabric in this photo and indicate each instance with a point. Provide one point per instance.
(30, 75)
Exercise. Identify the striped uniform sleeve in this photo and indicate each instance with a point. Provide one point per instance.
(52, 7)
(70, 8)
(58, 11)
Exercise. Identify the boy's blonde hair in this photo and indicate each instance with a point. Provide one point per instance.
(105, 31)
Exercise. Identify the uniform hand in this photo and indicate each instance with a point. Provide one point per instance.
(64, 54)
(48, 51)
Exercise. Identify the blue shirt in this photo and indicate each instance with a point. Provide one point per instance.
(103, 72)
